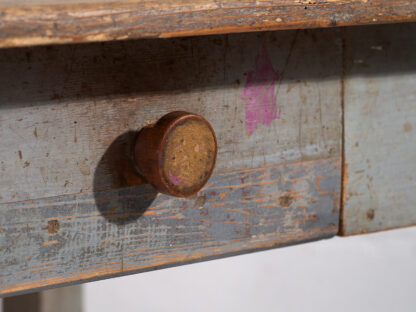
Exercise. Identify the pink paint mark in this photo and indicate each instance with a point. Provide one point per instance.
(259, 92)
(199, 147)
(175, 179)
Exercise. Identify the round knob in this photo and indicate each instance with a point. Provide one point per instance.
(177, 154)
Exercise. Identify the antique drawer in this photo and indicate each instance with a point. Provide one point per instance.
(73, 208)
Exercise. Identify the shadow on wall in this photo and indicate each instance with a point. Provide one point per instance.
(129, 195)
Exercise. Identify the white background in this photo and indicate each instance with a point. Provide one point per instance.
(373, 272)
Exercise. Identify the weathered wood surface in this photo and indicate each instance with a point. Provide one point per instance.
(380, 125)
(68, 111)
(62, 239)
(72, 209)
(25, 23)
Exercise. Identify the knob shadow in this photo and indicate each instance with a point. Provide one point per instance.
(121, 194)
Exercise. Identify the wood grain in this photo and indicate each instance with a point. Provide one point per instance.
(237, 212)
(45, 22)
(380, 138)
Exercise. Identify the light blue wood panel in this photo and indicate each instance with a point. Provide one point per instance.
(380, 128)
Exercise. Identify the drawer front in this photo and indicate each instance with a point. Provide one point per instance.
(73, 208)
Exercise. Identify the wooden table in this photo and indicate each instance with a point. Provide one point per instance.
(315, 130)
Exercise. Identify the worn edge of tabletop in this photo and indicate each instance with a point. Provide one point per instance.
(25, 25)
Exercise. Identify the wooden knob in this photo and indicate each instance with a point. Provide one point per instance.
(177, 154)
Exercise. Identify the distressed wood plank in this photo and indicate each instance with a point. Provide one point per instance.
(46, 22)
(66, 112)
(47, 242)
(380, 140)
